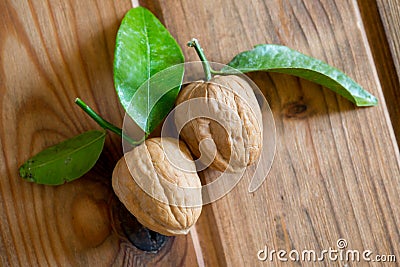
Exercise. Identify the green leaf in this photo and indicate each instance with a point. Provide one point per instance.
(143, 48)
(277, 58)
(164, 87)
(65, 161)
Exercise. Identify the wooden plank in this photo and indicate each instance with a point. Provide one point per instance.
(381, 50)
(51, 52)
(390, 14)
(336, 170)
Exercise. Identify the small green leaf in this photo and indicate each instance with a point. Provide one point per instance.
(65, 161)
(277, 58)
(144, 47)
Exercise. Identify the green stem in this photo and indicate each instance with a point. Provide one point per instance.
(105, 124)
(206, 65)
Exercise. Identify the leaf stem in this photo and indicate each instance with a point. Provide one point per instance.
(105, 124)
(206, 65)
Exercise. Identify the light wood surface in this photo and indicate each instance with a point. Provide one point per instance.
(51, 52)
(336, 171)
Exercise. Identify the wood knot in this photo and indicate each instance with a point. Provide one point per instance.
(297, 110)
(90, 220)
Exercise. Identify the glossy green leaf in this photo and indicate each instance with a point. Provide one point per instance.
(143, 48)
(65, 161)
(164, 87)
(277, 58)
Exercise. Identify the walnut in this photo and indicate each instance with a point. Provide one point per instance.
(146, 179)
(232, 121)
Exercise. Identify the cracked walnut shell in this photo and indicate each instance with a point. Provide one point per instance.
(222, 122)
(158, 183)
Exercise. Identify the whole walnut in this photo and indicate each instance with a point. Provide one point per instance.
(223, 110)
(146, 179)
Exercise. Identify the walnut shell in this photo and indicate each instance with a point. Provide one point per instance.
(162, 208)
(233, 122)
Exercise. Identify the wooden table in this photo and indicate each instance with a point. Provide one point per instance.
(336, 170)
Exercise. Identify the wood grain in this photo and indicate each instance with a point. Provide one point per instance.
(379, 40)
(390, 14)
(52, 52)
(336, 170)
